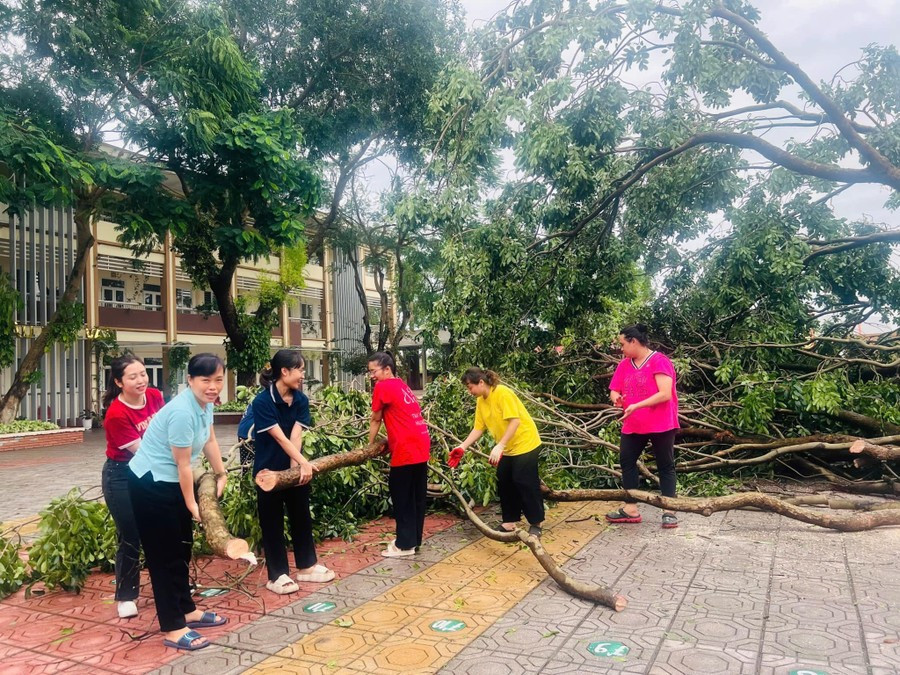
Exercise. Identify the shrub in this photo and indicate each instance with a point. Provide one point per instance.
(24, 426)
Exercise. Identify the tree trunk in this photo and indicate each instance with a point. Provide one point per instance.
(219, 282)
(361, 295)
(217, 534)
(9, 404)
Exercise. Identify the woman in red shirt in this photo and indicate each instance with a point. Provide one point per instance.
(130, 404)
(410, 446)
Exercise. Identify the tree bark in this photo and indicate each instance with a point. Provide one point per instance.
(84, 213)
(884, 453)
(707, 506)
(272, 481)
(217, 534)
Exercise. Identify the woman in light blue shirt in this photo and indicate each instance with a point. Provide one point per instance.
(161, 483)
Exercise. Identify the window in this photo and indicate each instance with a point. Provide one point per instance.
(112, 292)
(306, 311)
(152, 297)
(209, 301)
(184, 298)
(154, 372)
(310, 370)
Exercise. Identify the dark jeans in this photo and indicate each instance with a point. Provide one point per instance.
(271, 507)
(408, 485)
(166, 530)
(114, 481)
(663, 444)
(519, 488)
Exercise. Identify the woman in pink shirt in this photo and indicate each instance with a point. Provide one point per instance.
(644, 386)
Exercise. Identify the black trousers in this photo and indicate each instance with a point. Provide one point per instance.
(166, 532)
(663, 444)
(271, 507)
(408, 487)
(520, 488)
(114, 481)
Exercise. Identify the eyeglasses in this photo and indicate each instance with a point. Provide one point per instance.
(372, 372)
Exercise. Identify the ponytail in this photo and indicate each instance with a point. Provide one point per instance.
(637, 332)
(284, 358)
(475, 375)
(384, 360)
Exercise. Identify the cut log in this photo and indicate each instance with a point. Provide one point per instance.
(217, 534)
(884, 453)
(269, 481)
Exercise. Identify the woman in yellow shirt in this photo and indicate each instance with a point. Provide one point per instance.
(499, 411)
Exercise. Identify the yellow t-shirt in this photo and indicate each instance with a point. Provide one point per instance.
(494, 412)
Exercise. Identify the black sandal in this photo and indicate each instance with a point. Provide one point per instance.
(621, 516)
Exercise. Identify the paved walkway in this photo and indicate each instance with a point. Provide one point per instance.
(739, 592)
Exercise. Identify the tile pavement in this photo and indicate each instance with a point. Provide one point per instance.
(739, 592)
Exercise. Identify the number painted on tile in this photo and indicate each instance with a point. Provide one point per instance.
(317, 607)
(447, 626)
(608, 649)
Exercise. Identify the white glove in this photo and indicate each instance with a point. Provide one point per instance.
(496, 454)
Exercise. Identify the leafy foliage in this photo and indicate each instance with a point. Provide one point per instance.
(12, 568)
(75, 536)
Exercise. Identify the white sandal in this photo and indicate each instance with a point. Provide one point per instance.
(319, 575)
(393, 552)
(283, 585)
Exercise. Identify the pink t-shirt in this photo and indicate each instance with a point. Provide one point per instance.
(637, 384)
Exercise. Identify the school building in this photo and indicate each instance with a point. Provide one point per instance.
(152, 306)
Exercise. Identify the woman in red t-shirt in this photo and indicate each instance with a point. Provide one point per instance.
(410, 446)
(129, 404)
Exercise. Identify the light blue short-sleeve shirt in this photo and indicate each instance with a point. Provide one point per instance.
(182, 423)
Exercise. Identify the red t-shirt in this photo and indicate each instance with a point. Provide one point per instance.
(124, 424)
(408, 439)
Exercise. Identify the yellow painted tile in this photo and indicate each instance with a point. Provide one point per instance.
(476, 585)
(276, 665)
(421, 594)
(332, 644)
(383, 617)
(23, 526)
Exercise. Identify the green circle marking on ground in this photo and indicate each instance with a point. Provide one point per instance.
(318, 607)
(608, 649)
(807, 671)
(447, 626)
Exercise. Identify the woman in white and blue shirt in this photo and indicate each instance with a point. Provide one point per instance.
(161, 484)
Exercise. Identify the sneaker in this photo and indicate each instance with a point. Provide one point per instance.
(669, 521)
(535, 530)
(127, 609)
(393, 552)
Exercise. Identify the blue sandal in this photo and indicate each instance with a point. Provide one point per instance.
(208, 620)
(186, 640)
